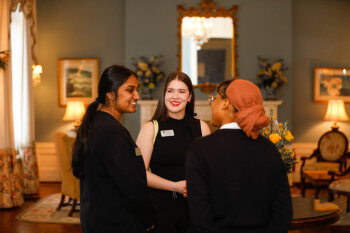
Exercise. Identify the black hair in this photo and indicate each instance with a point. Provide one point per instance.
(111, 79)
(222, 88)
(161, 113)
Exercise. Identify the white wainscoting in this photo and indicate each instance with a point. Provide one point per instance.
(47, 162)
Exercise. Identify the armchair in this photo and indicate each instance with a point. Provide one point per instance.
(329, 155)
(340, 186)
(70, 185)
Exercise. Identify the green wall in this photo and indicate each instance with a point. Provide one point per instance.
(73, 29)
(321, 36)
(264, 29)
(305, 33)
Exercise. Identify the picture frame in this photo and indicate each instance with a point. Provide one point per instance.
(77, 79)
(331, 83)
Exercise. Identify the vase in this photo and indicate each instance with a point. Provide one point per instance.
(146, 93)
(270, 93)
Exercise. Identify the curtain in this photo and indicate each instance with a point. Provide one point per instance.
(10, 172)
(23, 41)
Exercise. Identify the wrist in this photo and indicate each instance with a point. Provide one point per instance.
(174, 190)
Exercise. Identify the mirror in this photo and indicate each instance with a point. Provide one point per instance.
(206, 50)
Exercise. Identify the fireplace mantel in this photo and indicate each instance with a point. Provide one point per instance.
(202, 109)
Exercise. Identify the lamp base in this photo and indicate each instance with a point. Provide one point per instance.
(335, 127)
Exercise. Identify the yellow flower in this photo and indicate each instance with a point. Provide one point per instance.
(288, 136)
(142, 65)
(274, 84)
(275, 138)
(276, 66)
(148, 73)
(269, 72)
(151, 86)
(139, 72)
(155, 69)
(160, 76)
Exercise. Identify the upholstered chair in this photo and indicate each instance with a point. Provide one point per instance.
(340, 186)
(330, 156)
(70, 185)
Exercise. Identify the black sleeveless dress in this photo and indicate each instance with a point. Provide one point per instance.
(168, 161)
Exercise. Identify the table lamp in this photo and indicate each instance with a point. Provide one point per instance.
(336, 112)
(74, 112)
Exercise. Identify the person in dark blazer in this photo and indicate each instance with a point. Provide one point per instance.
(114, 195)
(236, 179)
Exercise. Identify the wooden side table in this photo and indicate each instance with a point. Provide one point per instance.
(304, 215)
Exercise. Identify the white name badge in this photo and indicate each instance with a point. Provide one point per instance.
(167, 133)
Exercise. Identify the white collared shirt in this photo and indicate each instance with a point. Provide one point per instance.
(232, 125)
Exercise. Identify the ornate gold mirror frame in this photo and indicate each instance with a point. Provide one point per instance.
(207, 9)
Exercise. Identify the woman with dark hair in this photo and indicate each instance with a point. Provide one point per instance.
(163, 142)
(114, 195)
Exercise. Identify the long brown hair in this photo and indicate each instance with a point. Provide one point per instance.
(161, 113)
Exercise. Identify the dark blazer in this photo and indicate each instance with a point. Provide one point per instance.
(237, 184)
(114, 193)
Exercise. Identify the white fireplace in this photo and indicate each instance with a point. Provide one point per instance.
(202, 109)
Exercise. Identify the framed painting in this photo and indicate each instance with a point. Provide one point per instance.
(77, 80)
(331, 83)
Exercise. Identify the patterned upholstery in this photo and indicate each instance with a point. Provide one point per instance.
(329, 166)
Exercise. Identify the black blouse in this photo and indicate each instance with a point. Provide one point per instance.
(114, 194)
(170, 148)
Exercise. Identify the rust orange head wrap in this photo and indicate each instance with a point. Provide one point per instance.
(245, 96)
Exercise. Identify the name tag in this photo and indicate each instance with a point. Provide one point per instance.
(167, 133)
(137, 151)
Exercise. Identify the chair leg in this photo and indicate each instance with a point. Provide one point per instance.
(330, 195)
(61, 202)
(73, 208)
(348, 204)
(302, 186)
(317, 192)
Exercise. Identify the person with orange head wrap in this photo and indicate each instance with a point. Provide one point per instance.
(246, 98)
(236, 179)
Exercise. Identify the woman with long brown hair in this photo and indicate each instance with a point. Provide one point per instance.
(163, 142)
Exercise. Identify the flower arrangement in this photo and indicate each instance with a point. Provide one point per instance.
(270, 77)
(148, 70)
(279, 135)
(4, 56)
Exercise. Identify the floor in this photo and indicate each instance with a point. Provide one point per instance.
(9, 224)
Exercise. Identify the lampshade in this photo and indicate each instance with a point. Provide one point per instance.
(74, 111)
(336, 112)
(37, 71)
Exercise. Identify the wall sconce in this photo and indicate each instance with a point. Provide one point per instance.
(336, 112)
(37, 71)
(74, 112)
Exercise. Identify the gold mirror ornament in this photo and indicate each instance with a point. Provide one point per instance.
(216, 54)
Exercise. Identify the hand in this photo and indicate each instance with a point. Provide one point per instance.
(150, 229)
(181, 187)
